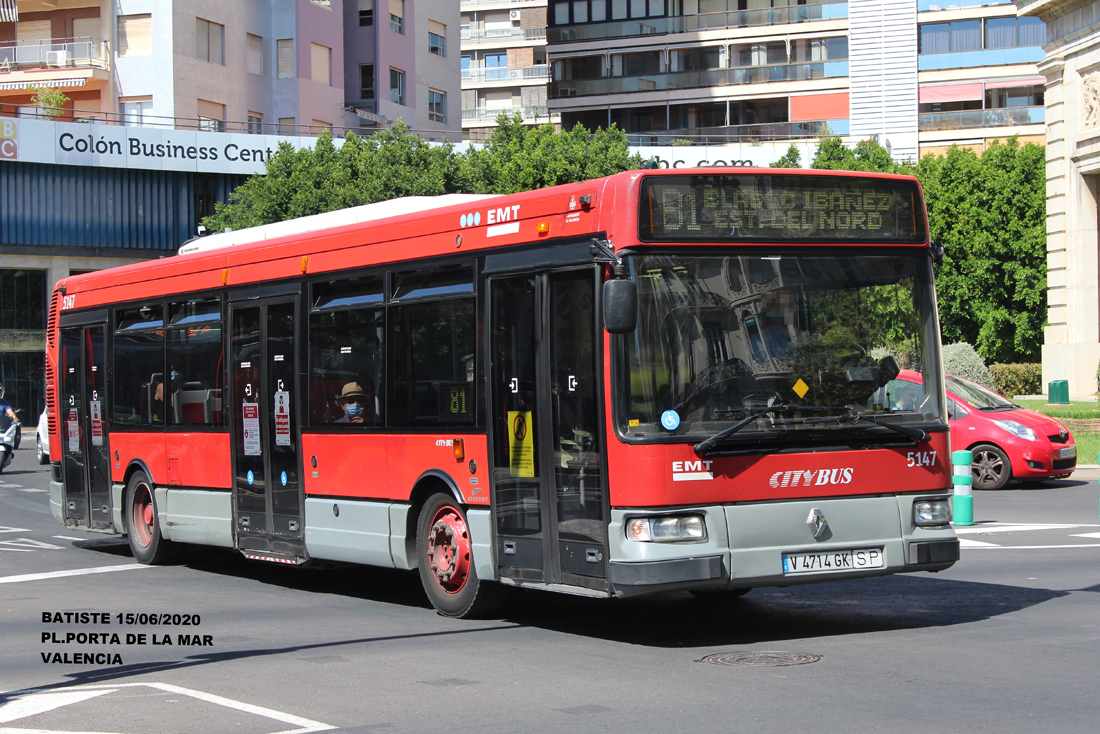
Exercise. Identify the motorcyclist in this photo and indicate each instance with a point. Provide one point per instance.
(5, 409)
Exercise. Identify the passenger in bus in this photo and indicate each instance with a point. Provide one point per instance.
(174, 379)
(353, 401)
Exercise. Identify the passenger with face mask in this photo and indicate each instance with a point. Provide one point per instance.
(353, 400)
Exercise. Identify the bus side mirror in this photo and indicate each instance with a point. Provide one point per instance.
(620, 306)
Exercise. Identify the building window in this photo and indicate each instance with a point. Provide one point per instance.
(969, 35)
(210, 41)
(366, 12)
(437, 38)
(211, 116)
(571, 12)
(23, 296)
(135, 35)
(287, 126)
(321, 63)
(366, 81)
(284, 52)
(496, 67)
(397, 86)
(135, 110)
(437, 106)
(397, 16)
(255, 123)
(255, 54)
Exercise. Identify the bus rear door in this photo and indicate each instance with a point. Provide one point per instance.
(267, 502)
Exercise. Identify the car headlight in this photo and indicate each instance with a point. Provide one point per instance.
(1019, 430)
(666, 528)
(931, 512)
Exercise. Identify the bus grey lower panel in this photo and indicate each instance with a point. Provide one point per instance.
(57, 496)
(654, 573)
(480, 524)
(197, 516)
(352, 531)
(118, 491)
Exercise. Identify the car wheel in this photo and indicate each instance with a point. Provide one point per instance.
(991, 467)
(43, 457)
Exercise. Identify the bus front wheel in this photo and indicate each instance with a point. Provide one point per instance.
(445, 557)
(143, 526)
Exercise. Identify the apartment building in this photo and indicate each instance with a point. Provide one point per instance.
(916, 75)
(504, 66)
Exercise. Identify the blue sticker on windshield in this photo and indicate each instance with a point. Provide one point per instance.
(670, 419)
(283, 477)
(251, 478)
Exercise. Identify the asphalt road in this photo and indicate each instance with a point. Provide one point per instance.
(1008, 640)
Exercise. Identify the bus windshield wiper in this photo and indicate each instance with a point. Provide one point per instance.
(854, 417)
(703, 448)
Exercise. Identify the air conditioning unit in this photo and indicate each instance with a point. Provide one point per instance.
(57, 58)
(513, 15)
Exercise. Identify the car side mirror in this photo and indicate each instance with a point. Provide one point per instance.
(620, 306)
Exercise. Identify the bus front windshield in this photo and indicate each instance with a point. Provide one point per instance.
(784, 344)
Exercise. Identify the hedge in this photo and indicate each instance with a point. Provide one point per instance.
(1011, 380)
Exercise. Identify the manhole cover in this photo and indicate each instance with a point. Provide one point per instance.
(760, 659)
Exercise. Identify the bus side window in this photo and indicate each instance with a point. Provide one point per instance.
(138, 367)
(433, 365)
(192, 394)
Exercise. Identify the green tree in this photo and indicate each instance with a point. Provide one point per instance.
(518, 157)
(791, 159)
(50, 100)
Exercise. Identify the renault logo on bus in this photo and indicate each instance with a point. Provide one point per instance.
(816, 478)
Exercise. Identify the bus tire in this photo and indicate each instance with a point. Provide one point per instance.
(445, 558)
(143, 526)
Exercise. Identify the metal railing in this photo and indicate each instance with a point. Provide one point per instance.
(57, 53)
(702, 22)
(756, 133)
(490, 114)
(470, 36)
(540, 73)
(698, 79)
(208, 125)
(1004, 117)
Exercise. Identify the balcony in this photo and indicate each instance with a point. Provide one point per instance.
(698, 79)
(501, 36)
(968, 119)
(503, 3)
(752, 134)
(488, 115)
(540, 73)
(702, 22)
(61, 62)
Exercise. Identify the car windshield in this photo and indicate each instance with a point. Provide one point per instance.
(720, 338)
(980, 397)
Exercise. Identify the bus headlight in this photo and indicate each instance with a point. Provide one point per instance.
(666, 528)
(931, 512)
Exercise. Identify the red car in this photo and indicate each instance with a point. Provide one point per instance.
(1009, 442)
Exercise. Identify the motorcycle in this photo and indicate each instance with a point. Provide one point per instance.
(7, 443)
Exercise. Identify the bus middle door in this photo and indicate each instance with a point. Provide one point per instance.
(267, 494)
(85, 453)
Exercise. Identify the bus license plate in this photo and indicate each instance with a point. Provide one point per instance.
(833, 561)
(1067, 453)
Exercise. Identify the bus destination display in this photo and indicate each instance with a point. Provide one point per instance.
(781, 208)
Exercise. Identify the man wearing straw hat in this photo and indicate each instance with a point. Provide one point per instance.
(353, 400)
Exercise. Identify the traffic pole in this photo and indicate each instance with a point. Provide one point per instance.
(963, 479)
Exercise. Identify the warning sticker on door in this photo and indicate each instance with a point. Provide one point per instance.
(521, 444)
(73, 427)
(251, 415)
(282, 418)
(97, 422)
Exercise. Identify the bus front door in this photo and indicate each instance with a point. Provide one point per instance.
(267, 501)
(85, 453)
(550, 498)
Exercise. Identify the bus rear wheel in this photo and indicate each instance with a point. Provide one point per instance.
(446, 561)
(143, 526)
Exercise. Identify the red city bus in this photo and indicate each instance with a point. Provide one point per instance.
(654, 381)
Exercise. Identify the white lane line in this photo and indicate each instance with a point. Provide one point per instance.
(1011, 528)
(967, 543)
(69, 537)
(40, 703)
(304, 725)
(74, 572)
(31, 489)
(10, 730)
(8, 529)
(1038, 547)
(1086, 535)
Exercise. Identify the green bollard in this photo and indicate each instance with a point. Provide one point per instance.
(963, 479)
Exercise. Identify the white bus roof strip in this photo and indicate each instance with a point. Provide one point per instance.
(329, 220)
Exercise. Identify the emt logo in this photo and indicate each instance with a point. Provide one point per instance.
(9, 139)
(691, 471)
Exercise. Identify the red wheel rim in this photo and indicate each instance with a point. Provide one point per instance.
(449, 549)
(141, 511)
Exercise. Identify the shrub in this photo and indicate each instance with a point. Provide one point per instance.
(1011, 380)
(960, 359)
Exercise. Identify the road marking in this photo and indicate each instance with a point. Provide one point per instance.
(74, 572)
(1086, 535)
(304, 725)
(69, 537)
(6, 529)
(1038, 547)
(31, 489)
(1011, 528)
(33, 705)
(28, 543)
(968, 543)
